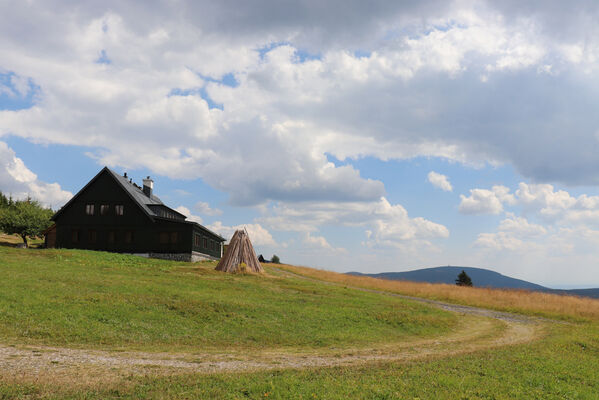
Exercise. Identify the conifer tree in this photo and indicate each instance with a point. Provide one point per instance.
(463, 279)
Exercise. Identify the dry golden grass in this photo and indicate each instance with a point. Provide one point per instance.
(14, 240)
(523, 301)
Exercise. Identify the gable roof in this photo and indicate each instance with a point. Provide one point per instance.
(123, 183)
(137, 195)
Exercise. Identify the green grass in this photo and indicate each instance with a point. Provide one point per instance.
(104, 300)
(101, 300)
(561, 366)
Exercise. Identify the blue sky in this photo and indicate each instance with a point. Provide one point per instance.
(374, 138)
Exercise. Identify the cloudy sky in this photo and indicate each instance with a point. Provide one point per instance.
(348, 135)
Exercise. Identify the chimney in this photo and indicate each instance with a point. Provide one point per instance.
(148, 186)
(125, 175)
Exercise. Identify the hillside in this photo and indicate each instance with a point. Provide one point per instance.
(83, 324)
(107, 300)
(480, 278)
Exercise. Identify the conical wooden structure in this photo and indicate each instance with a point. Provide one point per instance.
(239, 250)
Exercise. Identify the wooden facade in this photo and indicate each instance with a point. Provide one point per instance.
(111, 213)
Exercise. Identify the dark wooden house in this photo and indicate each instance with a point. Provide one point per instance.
(112, 213)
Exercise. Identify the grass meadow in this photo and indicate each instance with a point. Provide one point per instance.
(111, 301)
(519, 301)
(94, 300)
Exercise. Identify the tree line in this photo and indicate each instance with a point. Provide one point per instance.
(26, 218)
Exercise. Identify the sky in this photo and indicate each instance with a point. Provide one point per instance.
(346, 135)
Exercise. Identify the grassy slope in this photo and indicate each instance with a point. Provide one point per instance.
(103, 300)
(519, 301)
(561, 365)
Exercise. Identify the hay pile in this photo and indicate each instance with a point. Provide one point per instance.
(240, 255)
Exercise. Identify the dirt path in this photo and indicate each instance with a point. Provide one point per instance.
(479, 329)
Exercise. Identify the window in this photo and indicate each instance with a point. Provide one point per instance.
(118, 209)
(89, 209)
(163, 237)
(174, 237)
(110, 237)
(205, 243)
(104, 209)
(91, 236)
(75, 236)
(197, 240)
(128, 236)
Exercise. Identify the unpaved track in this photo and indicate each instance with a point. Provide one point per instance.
(479, 329)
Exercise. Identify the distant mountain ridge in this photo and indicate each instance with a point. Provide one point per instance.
(480, 278)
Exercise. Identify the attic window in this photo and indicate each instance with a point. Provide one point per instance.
(118, 209)
(89, 209)
(104, 208)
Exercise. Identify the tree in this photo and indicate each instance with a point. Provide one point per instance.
(463, 279)
(275, 259)
(25, 218)
(4, 202)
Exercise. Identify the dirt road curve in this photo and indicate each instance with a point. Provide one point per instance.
(479, 329)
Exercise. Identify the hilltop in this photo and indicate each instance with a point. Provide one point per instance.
(480, 277)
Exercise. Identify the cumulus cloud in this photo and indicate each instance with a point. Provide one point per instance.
(204, 208)
(320, 242)
(385, 224)
(258, 234)
(483, 201)
(20, 182)
(187, 212)
(440, 181)
(540, 200)
(554, 230)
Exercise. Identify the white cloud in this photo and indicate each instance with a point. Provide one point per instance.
(439, 180)
(258, 234)
(483, 201)
(386, 225)
(521, 226)
(563, 238)
(541, 200)
(499, 241)
(20, 182)
(320, 242)
(187, 212)
(204, 208)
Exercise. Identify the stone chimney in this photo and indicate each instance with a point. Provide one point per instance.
(148, 186)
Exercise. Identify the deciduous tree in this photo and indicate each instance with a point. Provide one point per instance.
(26, 218)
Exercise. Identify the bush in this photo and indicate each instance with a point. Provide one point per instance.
(275, 259)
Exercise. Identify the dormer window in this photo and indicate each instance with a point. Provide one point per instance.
(118, 209)
(89, 209)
